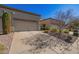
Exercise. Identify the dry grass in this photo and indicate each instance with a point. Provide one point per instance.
(2, 48)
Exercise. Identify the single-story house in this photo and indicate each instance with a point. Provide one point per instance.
(73, 24)
(51, 22)
(21, 20)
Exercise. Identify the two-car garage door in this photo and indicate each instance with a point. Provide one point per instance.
(20, 25)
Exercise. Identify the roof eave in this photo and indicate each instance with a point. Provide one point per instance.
(6, 7)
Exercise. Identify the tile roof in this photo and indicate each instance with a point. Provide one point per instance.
(51, 21)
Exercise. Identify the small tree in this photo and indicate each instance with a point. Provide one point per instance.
(65, 15)
(6, 23)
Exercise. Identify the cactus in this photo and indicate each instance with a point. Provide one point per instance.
(6, 23)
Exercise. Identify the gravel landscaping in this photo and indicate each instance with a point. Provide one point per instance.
(38, 42)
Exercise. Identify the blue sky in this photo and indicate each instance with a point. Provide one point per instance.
(46, 10)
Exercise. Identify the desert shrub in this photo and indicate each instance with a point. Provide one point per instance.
(65, 30)
(53, 29)
(58, 30)
(2, 48)
(46, 31)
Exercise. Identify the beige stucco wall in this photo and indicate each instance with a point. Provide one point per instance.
(26, 16)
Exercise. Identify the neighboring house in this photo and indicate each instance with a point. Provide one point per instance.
(72, 25)
(51, 22)
(21, 20)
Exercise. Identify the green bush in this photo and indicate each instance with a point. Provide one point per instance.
(65, 30)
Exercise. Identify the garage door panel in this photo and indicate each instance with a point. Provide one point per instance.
(25, 25)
